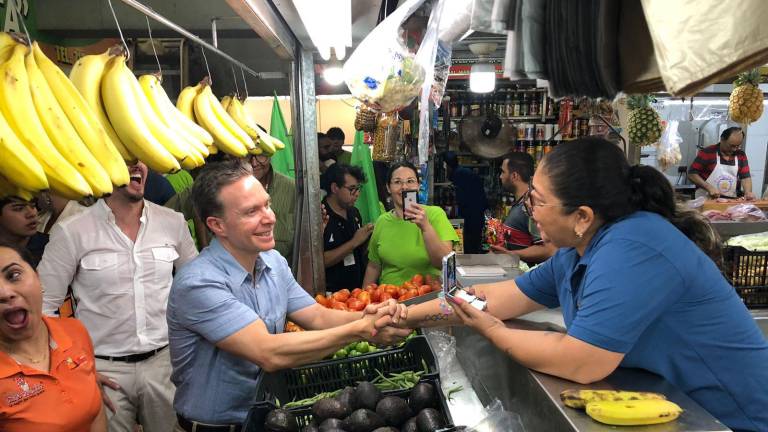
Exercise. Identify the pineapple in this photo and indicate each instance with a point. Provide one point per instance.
(644, 123)
(745, 105)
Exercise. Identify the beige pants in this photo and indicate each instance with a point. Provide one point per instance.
(146, 394)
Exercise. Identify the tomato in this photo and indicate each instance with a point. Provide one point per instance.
(341, 296)
(385, 296)
(355, 304)
(364, 297)
(371, 286)
(392, 290)
(413, 292)
(355, 292)
(321, 300)
(376, 295)
(417, 279)
(406, 296)
(425, 289)
(339, 306)
(428, 279)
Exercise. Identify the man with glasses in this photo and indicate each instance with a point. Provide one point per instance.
(282, 191)
(344, 236)
(521, 237)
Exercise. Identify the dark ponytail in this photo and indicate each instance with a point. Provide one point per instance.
(594, 172)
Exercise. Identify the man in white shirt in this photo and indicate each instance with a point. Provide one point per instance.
(119, 256)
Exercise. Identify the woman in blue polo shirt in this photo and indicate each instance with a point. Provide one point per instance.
(637, 286)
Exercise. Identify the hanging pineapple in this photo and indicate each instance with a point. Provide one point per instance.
(745, 105)
(644, 122)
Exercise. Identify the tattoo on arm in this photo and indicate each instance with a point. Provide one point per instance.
(433, 318)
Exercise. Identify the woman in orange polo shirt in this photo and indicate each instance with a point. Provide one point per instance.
(47, 374)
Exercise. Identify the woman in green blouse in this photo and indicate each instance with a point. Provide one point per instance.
(401, 248)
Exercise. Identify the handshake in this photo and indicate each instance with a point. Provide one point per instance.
(384, 323)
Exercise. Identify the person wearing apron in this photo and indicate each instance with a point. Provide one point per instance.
(717, 179)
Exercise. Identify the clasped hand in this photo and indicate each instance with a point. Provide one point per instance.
(383, 321)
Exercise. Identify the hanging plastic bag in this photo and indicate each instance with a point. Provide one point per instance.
(668, 153)
(382, 72)
(426, 56)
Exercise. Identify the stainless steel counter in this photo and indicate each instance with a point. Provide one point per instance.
(535, 397)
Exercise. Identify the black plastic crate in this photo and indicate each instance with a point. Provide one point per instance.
(330, 375)
(258, 413)
(748, 272)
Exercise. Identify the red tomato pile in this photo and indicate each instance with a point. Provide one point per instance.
(358, 298)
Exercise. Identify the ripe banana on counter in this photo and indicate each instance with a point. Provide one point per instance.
(63, 134)
(86, 77)
(125, 116)
(223, 138)
(170, 115)
(633, 413)
(18, 162)
(580, 398)
(236, 110)
(17, 107)
(186, 100)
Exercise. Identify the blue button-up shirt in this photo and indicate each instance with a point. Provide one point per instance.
(212, 298)
(643, 289)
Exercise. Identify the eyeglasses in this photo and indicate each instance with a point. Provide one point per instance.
(353, 189)
(262, 159)
(529, 205)
(408, 182)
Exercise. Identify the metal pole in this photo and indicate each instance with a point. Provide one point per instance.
(148, 11)
(214, 36)
(309, 226)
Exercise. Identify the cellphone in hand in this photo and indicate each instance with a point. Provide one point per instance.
(451, 287)
(409, 197)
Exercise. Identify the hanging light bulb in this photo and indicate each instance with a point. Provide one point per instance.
(328, 23)
(482, 75)
(332, 73)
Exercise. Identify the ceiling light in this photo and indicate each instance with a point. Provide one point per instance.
(329, 24)
(332, 73)
(482, 75)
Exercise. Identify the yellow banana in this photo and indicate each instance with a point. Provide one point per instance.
(580, 398)
(167, 137)
(86, 77)
(236, 110)
(634, 413)
(18, 108)
(226, 120)
(7, 42)
(186, 101)
(225, 101)
(222, 137)
(124, 114)
(213, 149)
(63, 134)
(8, 189)
(165, 111)
(18, 163)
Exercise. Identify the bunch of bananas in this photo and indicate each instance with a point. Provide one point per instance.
(51, 139)
(623, 408)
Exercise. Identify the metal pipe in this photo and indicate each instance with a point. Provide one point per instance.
(148, 11)
(214, 36)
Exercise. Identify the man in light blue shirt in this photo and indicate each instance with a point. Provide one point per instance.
(228, 307)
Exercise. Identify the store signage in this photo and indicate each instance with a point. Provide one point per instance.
(11, 19)
(461, 71)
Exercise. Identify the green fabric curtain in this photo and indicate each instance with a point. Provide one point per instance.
(282, 161)
(368, 201)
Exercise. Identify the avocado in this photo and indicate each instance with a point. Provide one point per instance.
(332, 425)
(393, 410)
(429, 419)
(422, 396)
(347, 399)
(367, 395)
(386, 429)
(410, 425)
(279, 420)
(329, 408)
(310, 428)
(363, 420)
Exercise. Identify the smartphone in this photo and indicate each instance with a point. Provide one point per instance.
(409, 197)
(451, 286)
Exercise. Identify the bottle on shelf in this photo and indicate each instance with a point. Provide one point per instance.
(454, 106)
(508, 103)
(533, 107)
(524, 105)
(516, 105)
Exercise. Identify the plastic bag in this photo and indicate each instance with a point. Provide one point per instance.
(381, 72)
(668, 153)
(498, 420)
(754, 242)
(745, 213)
(426, 57)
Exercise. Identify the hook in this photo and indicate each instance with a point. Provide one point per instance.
(237, 89)
(206, 65)
(245, 83)
(119, 30)
(152, 41)
(21, 20)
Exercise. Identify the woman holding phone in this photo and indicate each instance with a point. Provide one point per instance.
(407, 241)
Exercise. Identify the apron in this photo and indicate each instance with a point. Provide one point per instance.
(724, 178)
